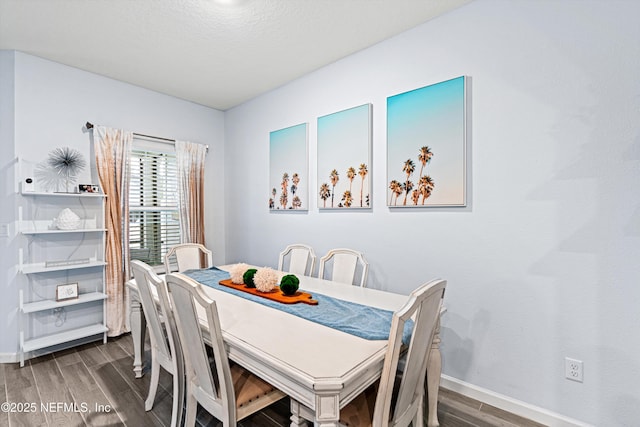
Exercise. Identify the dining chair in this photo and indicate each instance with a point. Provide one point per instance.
(301, 258)
(188, 256)
(345, 262)
(165, 347)
(227, 391)
(397, 398)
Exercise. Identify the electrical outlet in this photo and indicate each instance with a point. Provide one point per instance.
(4, 230)
(573, 369)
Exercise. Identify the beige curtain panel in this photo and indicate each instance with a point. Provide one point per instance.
(190, 158)
(113, 152)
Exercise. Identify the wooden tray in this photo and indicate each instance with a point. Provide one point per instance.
(275, 295)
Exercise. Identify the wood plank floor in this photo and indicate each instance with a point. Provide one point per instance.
(94, 385)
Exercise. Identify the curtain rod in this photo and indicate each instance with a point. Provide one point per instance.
(89, 125)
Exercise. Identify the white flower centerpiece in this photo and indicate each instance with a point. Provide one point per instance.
(237, 272)
(266, 279)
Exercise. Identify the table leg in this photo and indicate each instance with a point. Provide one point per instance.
(296, 411)
(434, 371)
(327, 409)
(138, 330)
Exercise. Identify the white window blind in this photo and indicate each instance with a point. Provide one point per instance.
(154, 219)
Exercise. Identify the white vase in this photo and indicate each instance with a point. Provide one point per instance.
(67, 220)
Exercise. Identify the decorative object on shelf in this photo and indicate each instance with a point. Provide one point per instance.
(68, 291)
(66, 262)
(288, 155)
(67, 220)
(237, 271)
(88, 188)
(289, 284)
(266, 279)
(344, 151)
(248, 276)
(427, 146)
(63, 166)
(29, 185)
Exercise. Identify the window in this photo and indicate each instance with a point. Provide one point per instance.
(154, 218)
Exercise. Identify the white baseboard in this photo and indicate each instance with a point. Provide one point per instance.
(8, 357)
(15, 357)
(517, 407)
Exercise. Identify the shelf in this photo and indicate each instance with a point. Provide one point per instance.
(49, 194)
(79, 230)
(32, 307)
(62, 337)
(78, 254)
(40, 268)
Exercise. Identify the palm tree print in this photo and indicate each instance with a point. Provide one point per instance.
(425, 183)
(325, 193)
(406, 188)
(424, 157)
(272, 203)
(351, 173)
(334, 178)
(284, 194)
(362, 171)
(347, 199)
(399, 190)
(408, 168)
(296, 181)
(425, 186)
(296, 203)
(415, 195)
(396, 189)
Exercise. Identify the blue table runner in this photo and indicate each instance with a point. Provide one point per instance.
(353, 318)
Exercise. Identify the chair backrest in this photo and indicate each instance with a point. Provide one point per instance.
(424, 306)
(187, 300)
(345, 263)
(148, 284)
(188, 256)
(302, 259)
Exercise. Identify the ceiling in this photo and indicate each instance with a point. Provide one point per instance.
(218, 53)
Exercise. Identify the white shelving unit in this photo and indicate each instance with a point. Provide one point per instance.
(50, 257)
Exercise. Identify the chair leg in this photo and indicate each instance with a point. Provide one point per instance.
(434, 371)
(178, 396)
(418, 421)
(155, 378)
(178, 383)
(192, 408)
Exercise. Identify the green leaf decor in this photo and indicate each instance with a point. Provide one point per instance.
(247, 277)
(289, 284)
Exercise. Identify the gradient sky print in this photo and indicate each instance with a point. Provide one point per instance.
(288, 153)
(433, 116)
(344, 140)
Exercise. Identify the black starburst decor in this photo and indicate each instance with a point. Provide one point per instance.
(63, 166)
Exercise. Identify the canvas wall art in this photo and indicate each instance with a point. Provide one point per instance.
(426, 146)
(344, 159)
(288, 169)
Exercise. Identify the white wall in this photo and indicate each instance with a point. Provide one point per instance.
(8, 246)
(52, 104)
(544, 262)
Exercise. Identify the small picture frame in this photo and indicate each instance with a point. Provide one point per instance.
(68, 291)
(88, 188)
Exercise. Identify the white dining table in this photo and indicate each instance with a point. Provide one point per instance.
(318, 367)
